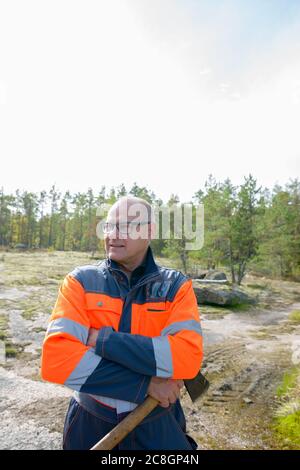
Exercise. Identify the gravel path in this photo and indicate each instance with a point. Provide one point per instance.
(30, 412)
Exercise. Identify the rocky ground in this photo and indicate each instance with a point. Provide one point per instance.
(247, 352)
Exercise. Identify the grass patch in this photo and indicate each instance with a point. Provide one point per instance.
(260, 335)
(240, 307)
(11, 350)
(257, 286)
(288, 430)
(212, 309)
(57, 276)
(4, 304)
(289, 382)
(36, 377)
(3, 335)
(38, 302)
(33, 281)
(29, 313)
(3, 321)
(14, 350)
(287, 417)
(3, 327)
(294, 316)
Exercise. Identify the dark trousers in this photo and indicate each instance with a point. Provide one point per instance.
(88, 421)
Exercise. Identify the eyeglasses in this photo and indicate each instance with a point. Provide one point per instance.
(125, 228)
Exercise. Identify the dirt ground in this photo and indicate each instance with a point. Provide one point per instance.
(246, 354)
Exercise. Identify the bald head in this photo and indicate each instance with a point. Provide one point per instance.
(130, 207)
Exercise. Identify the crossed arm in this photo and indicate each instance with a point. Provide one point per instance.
(117, 364)
(164, 390)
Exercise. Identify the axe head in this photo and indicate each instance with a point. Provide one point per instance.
(196, 386)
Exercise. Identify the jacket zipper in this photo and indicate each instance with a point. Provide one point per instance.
(139, 284)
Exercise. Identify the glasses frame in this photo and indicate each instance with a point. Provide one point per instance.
(117, 225)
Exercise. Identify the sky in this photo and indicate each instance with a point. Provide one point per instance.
(158, 92)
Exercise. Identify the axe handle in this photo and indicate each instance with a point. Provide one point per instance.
(122, 429)
(195, 387)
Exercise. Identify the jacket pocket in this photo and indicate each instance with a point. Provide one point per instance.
(149, 319)
(103, 310)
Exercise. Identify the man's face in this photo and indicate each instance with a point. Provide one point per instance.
(130, 238)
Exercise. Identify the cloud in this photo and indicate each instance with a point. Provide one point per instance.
(162, 93)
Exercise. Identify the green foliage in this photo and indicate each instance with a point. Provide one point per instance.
(230, 225)
(287, 417)
(29, 313)
(246, 227)
(288, 429)
(288, 383)
(295, 316)
(11, 350)
(278, 252)
(3, 327)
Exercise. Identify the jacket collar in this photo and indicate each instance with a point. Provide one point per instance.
(148, 267)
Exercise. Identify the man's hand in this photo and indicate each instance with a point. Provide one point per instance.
(166, 391)
(92, 338)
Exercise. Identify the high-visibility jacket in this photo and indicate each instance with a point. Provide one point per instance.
(148, 327)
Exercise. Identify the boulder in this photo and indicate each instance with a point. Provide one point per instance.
(225, 297)
(21, 246)
(216, 276)
(197, 275)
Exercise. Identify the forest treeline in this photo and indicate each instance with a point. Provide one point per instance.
(246, 226)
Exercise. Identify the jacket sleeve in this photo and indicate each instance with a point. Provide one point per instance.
(66, 359)
(177, 353)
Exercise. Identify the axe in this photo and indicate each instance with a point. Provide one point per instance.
(195, 387)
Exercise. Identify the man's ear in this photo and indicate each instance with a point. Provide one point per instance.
(152, 230)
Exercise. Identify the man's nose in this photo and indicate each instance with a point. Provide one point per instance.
(114, 234)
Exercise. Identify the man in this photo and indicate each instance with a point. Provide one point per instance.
(121, 330)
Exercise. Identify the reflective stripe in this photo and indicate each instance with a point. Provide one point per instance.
(163, 356)
(191, 325)
(65, 325)
(83, 370)
(121, 406)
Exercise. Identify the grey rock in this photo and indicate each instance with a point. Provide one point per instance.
(225, 387)
(216, 276)
(226, 297)
(247, 400)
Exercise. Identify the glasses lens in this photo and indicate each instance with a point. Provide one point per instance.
(109, 227)
(126, 228)
(123, 228)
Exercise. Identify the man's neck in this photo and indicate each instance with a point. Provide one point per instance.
(130, 266)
